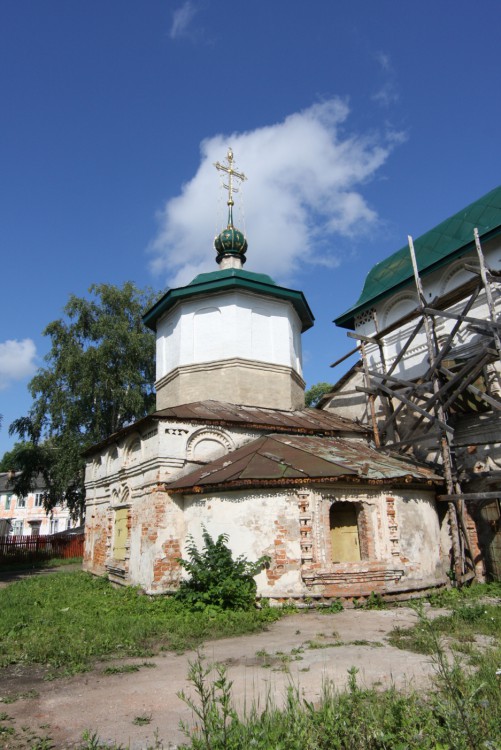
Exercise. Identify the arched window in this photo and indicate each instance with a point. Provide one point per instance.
(343, 525)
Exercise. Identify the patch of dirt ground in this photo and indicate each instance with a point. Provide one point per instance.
(303, 649)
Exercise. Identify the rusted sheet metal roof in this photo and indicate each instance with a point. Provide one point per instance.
(253, 417)
(289, 459)
(304, 420)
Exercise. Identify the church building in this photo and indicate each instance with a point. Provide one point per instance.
(232, 449)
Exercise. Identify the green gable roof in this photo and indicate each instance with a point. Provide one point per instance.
(230, 279)
(448, 240)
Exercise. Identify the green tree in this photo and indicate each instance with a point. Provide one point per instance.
(313, 395)
(10, 460)
(98, 377)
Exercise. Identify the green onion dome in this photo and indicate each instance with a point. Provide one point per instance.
(230, 241)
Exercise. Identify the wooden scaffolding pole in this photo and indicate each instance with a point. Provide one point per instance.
(440, 390)
(452, 486)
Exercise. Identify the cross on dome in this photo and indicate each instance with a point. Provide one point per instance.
(230, 244)
(231, 174)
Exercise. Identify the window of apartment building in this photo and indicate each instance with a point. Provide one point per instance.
(54, 525)
(7, 501)
(38, 499)
(17, 528)
(35, 527)
(21, 502)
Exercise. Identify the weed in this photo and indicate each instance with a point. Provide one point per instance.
(317, 644)
(125, 668)
(454, 597)
(463, 712)
(332, 608)
(91, 741)
(13, 697)
(141, 721)
(373, 601)
(414, 639)
(212, 706)
(122, 669)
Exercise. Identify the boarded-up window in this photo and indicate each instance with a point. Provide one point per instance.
(343, 525)
(120, 534)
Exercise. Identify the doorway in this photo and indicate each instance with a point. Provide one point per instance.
(343, 525)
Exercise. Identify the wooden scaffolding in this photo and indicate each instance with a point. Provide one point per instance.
(410, 413)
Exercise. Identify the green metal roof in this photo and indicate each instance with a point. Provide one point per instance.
(207, 284)
(450, 239)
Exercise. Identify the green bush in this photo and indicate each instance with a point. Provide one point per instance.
(216, 579)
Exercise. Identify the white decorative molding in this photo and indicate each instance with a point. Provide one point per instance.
(212, 434)
(388, 315)
(367, 316)
(455, 272)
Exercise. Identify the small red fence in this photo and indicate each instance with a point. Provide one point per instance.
(14, 549)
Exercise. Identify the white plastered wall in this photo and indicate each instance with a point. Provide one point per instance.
(230, 325)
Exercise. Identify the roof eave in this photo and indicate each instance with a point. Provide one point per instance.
(174, 296)
(347, 319)
(406, 481)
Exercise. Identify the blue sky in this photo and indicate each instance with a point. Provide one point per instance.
(356, 124)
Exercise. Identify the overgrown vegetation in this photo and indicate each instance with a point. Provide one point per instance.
(216, 579)
(475, 611)
(463, 712)
(68, 620)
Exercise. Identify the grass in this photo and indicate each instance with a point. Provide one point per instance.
(14, 737)
(474, 612)
(462, 711)
(13, 697)
(128, 668)
(68, 620)
(53, 562)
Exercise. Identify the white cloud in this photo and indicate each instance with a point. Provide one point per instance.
(305, 176)
(181, 20)
(387, 93)
(16, 361)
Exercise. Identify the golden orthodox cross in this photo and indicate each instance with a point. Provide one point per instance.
(231, 172)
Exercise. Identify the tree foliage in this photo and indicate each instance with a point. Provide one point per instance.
(313, 395)
(12, 460)
(98, 377)
(216, 579)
